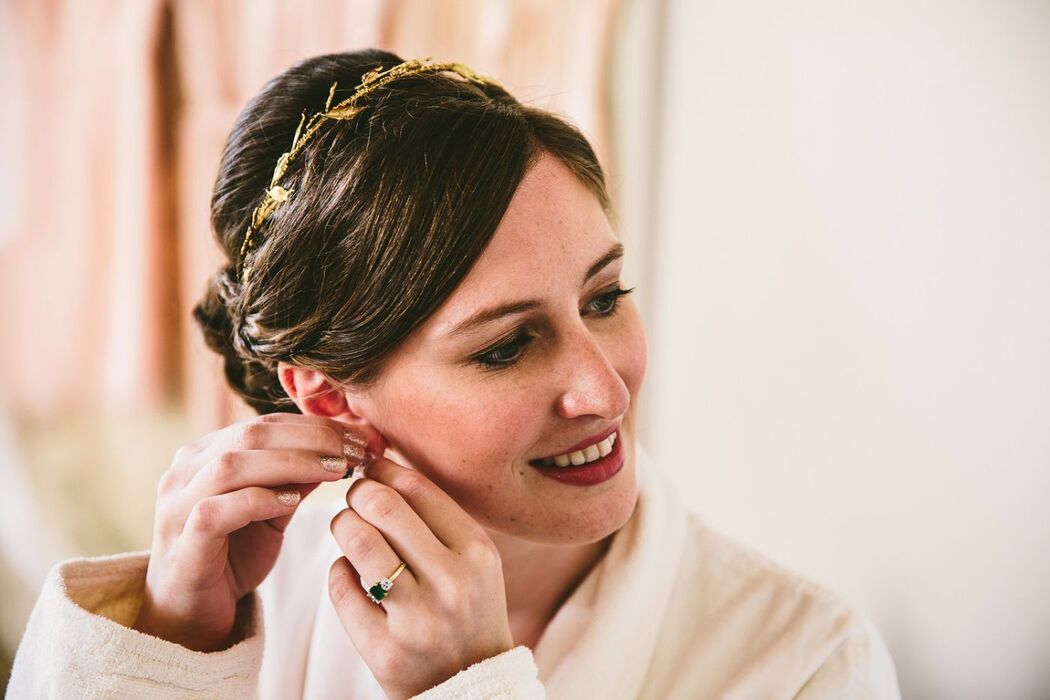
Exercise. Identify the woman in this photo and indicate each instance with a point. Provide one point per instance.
(426, 291)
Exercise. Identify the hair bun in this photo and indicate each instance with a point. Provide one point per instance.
(253, 379)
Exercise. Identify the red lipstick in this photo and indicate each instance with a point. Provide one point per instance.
(583, 444)
(592, 473)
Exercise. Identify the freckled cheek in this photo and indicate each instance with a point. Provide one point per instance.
(467, 438)
(494, 435)
(632, 356)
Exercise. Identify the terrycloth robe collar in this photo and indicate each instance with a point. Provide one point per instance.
(601, 641)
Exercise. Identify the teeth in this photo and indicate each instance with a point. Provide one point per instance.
(590, 454)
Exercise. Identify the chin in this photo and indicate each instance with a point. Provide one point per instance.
(580, 522)
(611, 522)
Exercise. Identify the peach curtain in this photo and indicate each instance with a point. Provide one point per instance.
(85, 252)
(115, 129)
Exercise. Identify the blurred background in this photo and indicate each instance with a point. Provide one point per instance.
(837, 216)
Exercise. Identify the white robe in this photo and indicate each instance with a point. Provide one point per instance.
(673, 610)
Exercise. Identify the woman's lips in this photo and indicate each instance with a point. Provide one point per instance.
(591, 473)
(594, 440)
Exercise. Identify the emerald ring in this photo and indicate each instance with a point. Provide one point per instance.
(378, 591)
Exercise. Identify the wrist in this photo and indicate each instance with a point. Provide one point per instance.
(191, 636)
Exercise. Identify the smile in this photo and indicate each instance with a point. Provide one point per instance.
(597, 463)
(584, 456)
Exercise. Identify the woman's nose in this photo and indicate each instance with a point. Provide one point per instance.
(592, 386)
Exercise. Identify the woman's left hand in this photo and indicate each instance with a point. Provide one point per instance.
(446, 610)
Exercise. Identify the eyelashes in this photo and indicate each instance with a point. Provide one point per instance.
(509, 353)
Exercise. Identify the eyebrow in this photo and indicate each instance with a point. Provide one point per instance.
(491, 314)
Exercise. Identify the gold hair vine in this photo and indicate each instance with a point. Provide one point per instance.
(345, 111)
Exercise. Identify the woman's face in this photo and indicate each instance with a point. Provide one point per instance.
(571, 371)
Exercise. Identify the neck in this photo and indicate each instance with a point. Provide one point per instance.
(539, 578)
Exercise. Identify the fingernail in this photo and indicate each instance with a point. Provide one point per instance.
(355, 438)
(288, 498)
(333, 464)
(353, 451)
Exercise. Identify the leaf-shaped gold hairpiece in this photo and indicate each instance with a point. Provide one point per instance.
(344, 111)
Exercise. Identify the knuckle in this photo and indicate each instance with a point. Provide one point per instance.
(382, 502)
(168, 483)
(338, 583)
(223, 467)
(165, 536)
(251, 435)
(248, 500)
(292, 462)
(482, 551)
(413, 485)
(183, 455)
(167, 524)
(359, 543)
(204, 515)
(340, 521)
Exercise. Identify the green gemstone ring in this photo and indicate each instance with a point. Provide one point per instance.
(377, 592)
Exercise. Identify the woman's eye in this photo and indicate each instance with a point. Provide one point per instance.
(511, 352)
(506, 354)
(608, 303)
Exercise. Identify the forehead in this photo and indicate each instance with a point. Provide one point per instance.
(552, 231)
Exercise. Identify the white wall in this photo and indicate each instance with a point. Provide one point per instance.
(848, 304)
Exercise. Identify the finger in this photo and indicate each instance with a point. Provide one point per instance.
(266, 419)
(387, 511)
(329, 437)
(442, 514)
(232, 471)
(202, 545)
(363, 620)
(281, 523)
(271, 431)
(372, 556)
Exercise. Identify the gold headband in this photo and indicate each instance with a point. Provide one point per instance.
(345, 111)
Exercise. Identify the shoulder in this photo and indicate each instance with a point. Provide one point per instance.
(734, 569)
(746, 617)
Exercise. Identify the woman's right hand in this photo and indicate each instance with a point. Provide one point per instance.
(222, 507)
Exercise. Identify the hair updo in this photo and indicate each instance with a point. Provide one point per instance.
(389, 213)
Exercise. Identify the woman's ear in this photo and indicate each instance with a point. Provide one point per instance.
(316, 395)
(311, 391)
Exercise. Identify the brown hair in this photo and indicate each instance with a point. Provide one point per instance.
(389, 213)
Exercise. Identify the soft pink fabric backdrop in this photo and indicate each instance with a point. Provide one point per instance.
(121, 118)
